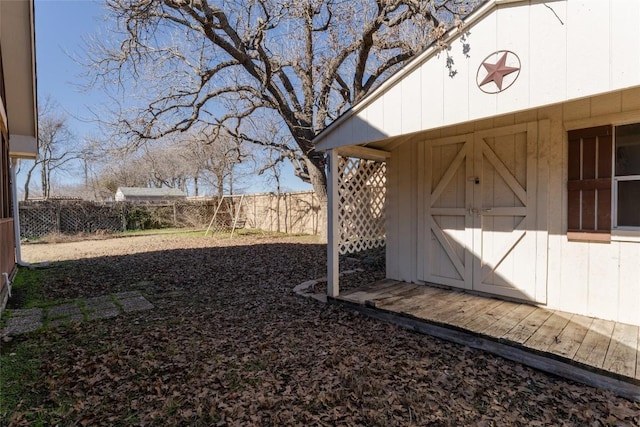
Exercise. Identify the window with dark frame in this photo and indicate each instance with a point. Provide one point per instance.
(603, 180)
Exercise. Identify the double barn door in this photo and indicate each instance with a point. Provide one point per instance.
(484, 226)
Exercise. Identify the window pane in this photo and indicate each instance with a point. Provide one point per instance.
(628, 150)
(629, 203)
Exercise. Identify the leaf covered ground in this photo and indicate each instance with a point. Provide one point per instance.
(228, 343)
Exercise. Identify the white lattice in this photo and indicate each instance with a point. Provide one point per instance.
(361, 198)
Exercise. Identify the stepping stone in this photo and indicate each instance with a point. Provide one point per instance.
(138, 303)
(29, 312)
(101, 307)
(68, 309)
(21, 325)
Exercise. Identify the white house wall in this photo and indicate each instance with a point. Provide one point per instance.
(567, 49)
(588, 278)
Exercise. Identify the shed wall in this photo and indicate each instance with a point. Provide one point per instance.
(593, 279)
(567, 50)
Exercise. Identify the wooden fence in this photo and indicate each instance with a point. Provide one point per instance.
(293, 213)
(288, 213)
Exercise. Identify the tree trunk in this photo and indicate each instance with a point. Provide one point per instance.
(28, 181)
(26, 186)
(220, 185)
(43, 180)
(318, 179)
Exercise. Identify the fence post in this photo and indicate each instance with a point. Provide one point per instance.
(175, 215)
(57, 210)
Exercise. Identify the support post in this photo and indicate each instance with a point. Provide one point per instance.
(333, 231)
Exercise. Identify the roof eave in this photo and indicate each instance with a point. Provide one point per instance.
(431, 51)
(18, 25)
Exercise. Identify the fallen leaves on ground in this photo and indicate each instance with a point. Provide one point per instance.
(228, 343)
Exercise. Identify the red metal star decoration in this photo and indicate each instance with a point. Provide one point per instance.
(497, 71)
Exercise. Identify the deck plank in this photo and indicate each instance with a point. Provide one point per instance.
(509, 321)
(396, 298)
(549, 332)
(382, 284)
(427, 296)
(528, 326)
(391, 294)
(571, 337)
(471, 311)
(360, 296)
(433, 311)
(594, 347)
(622, 354)
(491, 316)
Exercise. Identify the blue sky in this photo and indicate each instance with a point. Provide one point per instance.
(61, 28)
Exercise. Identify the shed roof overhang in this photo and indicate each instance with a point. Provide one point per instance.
(562, 59)
(18, 61)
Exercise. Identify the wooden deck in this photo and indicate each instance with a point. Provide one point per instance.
(593, 351)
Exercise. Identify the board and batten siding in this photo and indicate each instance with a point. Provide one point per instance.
(567, 49)
(588, 278)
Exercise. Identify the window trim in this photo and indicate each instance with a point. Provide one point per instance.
(614, 206)
(614, 184)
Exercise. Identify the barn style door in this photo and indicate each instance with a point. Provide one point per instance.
(480, 213)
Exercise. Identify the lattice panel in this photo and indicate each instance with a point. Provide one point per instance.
(36, 221)
(361, 194)
(82, 217)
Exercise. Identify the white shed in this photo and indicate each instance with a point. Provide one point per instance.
(516, 171)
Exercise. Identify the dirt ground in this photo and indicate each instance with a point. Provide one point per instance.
(229, 343)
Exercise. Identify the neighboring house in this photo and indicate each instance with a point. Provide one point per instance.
(513, 171)
(18, 124)
(139, 194)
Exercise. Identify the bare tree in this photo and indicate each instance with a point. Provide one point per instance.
(54, 146)
(212, 156)
(221, 62)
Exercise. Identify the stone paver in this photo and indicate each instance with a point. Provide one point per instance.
(21, 325)
(29, 312)
(67, 309)
(138, 303)
(103, 307)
